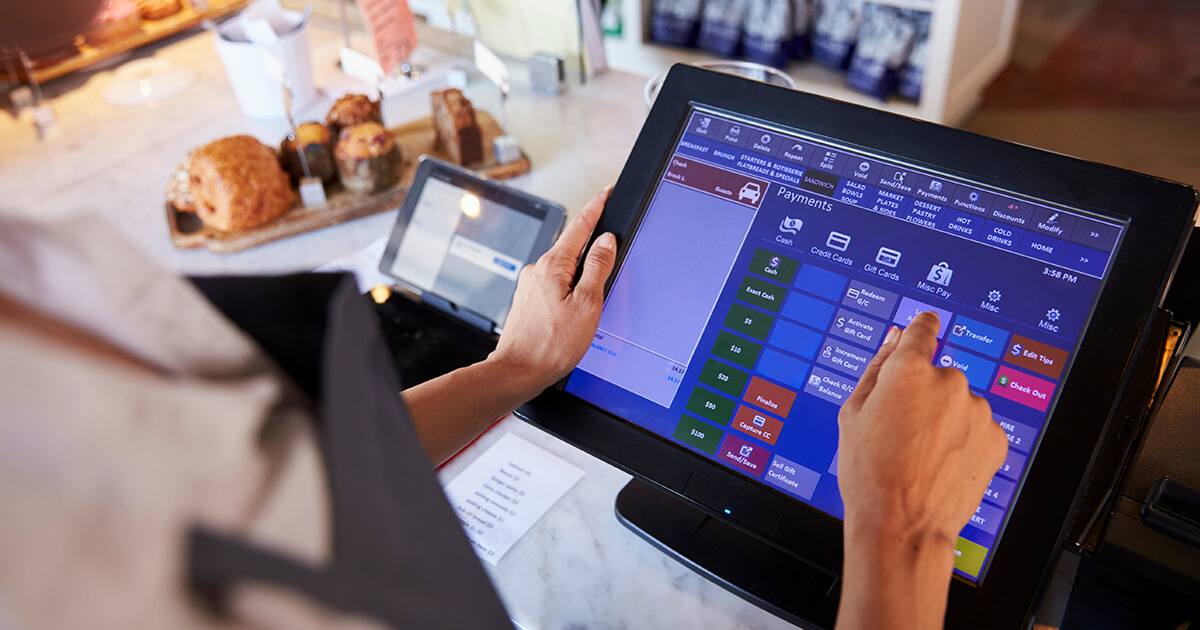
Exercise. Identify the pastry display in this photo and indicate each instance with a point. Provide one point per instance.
(234, 183)
(316, 142)
(159, 9)
(350, 110)
(368, 159)
(117, 20)
(457, 130)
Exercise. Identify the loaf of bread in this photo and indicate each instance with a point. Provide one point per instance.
(236, 183)
(457, 130)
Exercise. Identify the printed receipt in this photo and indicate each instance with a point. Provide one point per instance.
(502, 494)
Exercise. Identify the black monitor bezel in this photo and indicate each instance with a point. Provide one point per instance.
(1161, 215)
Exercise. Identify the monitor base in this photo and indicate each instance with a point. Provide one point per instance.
(756, 571)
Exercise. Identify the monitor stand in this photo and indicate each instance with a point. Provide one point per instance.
(756, 571)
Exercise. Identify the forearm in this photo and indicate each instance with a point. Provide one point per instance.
(897, 580)
(451, 410)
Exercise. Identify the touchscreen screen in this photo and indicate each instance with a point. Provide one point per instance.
(766, 271)
(466, 248)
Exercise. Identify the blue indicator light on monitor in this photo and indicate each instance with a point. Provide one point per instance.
(728, 511)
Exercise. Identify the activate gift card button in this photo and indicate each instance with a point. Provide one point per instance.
(744, 456)
(1022, 388)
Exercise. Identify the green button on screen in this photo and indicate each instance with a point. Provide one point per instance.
(734, 349)
(721, 377)
(776, 267)
(748, 321)
(699, 434)
(710, 405)
(761, 293)
(969, 557)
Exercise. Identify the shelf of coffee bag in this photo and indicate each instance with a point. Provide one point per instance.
(970, 42)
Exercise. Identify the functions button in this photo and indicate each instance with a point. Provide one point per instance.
(890, 203)
(963, 224)
(1085, 259)
(1043, 247)
(987, 518)
(971, 200)
(820, 183)
(909, 308)
(969, 556)
(798, 340)
(1020, 436)
(808, 310)
(792, 478)
(820, 282)
(704, 125)
(1004, 236)
(744, 456)
(933, 189)
(1011, 211)
(770, 397)
(754, 422)
(761, 293)
(862, 330)
(869, 299)
(977, 369)
(772, 265)
(843, 357)
(1096, 235)
(748, 321)
(735, 349)
(1052, 223)
(1012, 466)
(794, 151)
(698, 435)
(1023, 388)
(709, 405)
(832, 387)
(1000, 491)
(1036, 357)
(981, 338)
(721, 377)
(780, 367)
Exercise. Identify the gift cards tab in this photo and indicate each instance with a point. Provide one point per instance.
(1036, 357)
(1023, 388)
(753, 422)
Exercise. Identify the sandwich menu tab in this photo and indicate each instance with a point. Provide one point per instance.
(767, 270)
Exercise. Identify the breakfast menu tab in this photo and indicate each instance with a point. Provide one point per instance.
(755, 294)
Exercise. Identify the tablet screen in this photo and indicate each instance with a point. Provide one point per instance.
(465, 239)
(766, 270)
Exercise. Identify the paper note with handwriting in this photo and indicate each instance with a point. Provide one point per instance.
(503, 493)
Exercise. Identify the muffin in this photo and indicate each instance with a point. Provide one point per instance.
(350, 110)
(317, 143)
(367, 157)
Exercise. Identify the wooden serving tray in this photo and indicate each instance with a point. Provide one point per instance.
(414, 139)
(151, 31)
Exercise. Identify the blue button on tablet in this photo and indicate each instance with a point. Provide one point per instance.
(1085, 259)
(973, 335)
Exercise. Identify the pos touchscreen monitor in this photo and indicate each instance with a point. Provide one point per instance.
(768, 239)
